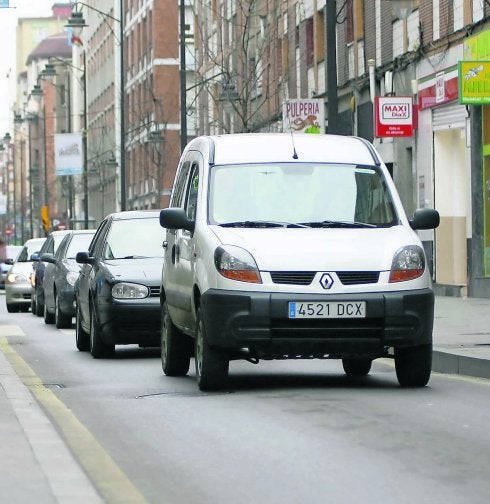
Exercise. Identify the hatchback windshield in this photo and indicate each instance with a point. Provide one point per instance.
(79, 243)
(300, 194)
(135, 238)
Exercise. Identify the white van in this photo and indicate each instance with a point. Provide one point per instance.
(292, 247)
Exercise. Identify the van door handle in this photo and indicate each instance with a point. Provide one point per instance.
(175, 253)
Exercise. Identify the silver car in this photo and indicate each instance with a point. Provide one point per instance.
(18, 281)
(12, 253)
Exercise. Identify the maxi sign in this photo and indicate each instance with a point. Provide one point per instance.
(393, 116)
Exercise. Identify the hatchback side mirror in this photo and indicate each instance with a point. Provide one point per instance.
(84, 258)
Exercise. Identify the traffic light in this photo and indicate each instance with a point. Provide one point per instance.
(45, 218)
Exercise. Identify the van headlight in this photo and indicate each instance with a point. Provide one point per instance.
(408, 264)
(237, 264)
(125, 290)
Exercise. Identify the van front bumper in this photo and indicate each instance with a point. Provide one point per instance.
(259, 322)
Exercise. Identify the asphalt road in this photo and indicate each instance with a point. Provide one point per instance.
(283, 432)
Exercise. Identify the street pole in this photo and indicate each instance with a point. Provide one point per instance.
(122, 107)
(183, 81)
(331, 67)
(84, 144)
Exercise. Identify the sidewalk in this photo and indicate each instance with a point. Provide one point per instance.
(462, 336)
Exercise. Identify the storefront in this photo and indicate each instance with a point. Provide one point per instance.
(474, 82)
(444, 173)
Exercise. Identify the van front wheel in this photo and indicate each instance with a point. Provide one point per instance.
(413, 365)
(175, 347)
(211, 364)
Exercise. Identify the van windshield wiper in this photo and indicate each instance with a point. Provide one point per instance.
(338, 224)
(263, 224)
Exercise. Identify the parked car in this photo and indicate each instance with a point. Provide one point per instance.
(60, 274)
(117, 292)
(12, 253)
(37, 293)
(18, 284)
(292, 247)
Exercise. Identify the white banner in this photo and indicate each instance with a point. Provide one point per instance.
(68, 154)
(303, 116)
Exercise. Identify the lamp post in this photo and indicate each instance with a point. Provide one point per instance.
(6, 142)
(76, 22)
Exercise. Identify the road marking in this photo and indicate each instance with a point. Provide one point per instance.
(104, 473)
(11, 330)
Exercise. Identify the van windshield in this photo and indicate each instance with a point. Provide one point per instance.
(300, 195)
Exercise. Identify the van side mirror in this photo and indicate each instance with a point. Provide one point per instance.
(175, 218)
(425, 218)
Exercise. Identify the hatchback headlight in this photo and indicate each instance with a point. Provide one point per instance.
(124, 290)
(71, 278)
(16, 278)
(237, 264)
(408, 264)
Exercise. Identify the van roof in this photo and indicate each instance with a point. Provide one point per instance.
(281, 147)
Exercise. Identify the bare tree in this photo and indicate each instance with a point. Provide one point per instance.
(237, 87)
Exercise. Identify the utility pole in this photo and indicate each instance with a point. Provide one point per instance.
(331, 67)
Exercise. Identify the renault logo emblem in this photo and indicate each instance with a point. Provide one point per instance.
(326, 281)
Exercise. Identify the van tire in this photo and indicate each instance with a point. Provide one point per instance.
(175, 347)
(357, 367)
(212, 364)
(413, 365)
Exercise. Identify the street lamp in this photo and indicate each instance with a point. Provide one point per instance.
(6, 145)
(77, 23)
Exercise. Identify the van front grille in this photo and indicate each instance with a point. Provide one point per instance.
(306, 277)
(293, 277)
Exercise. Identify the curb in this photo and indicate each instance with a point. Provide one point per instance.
(443, 362)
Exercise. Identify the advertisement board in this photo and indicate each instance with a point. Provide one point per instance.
(474, 82)
(303, 116)
(393, 116)
(68, 154)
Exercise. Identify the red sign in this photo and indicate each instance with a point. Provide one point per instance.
(393, 116)
(9, 231)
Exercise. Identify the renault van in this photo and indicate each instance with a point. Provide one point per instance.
(284, 246)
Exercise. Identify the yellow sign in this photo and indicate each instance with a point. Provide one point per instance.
(45, 218)
(474, 82)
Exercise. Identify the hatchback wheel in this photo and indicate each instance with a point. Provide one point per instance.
(48, 317)
(62, 320)
(212, 364)
(356, 367)
(413, 365)
(82, 339)
(98, 348)
(39, 305)
(175, 347)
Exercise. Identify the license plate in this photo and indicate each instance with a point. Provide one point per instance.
(333, 309)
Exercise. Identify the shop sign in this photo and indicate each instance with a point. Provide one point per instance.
(474, 82)
(303, 116)
(393, 116)
(438, 88)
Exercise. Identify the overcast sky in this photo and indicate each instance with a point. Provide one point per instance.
(8, 22)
